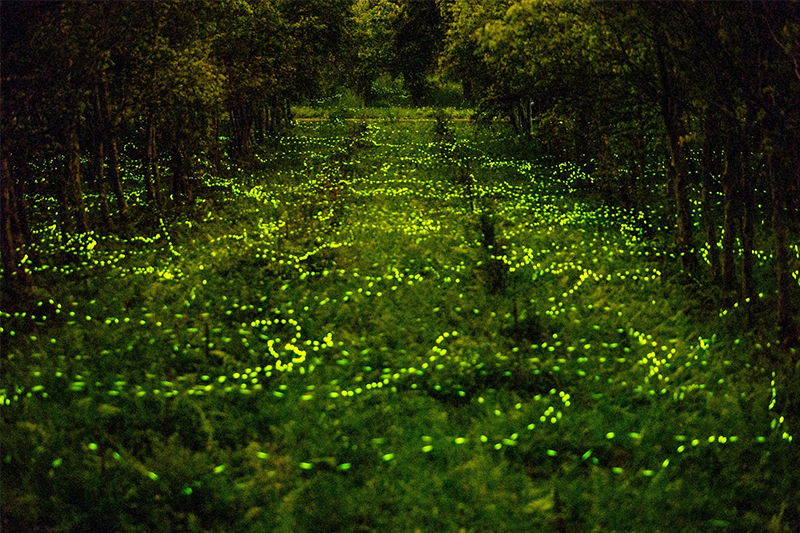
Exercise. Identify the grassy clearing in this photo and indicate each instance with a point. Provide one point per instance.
(360, 338)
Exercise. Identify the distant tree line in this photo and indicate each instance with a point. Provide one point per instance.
(711, 90)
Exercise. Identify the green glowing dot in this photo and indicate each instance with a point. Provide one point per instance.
(219, 469)
(92, 446)
(263, 455)
(460, 440)
(57, 462)
(552, 453)
(187, 491)
(345, 466)
(586, 455)
(617, 470)
(498, 446)
(153, 476)
(647, 473)
(484, 438)
(665, 463)
(681, 448)
(388, 457)
(610, 435)
(427, 448)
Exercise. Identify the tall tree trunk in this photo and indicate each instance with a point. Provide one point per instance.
(110, 142)
(73, 195)
(747, 224)
(180, 183)
(730, 183)
(12, 243)
(150, 163)
(152, 172)
(99, 162)
(711, 167)
(671, 116)
(787, 326)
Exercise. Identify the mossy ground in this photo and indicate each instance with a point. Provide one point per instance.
(334, 346)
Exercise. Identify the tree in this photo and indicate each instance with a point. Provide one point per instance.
(417, 42)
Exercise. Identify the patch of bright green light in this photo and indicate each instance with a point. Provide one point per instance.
(219, 469)
(187, 491)
(552, 453)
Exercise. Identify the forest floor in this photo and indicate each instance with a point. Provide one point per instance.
(358, 336)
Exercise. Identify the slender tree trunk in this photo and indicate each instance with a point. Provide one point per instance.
(180, 184)
(73, 195)
(730, 184)
(671, 116)
(786, 323)
(748, 216)
(153, 173)
(98, 163)
(110, 142)
(20, 202)
(12, 243)
(150, 163)
(711, 168)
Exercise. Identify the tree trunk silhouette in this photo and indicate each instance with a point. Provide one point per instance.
(711, 167)
(671, 116)
(73, 204)
(110, 143)
(12, 242)
(786, 324)
(151, 173)
(731, 182)
(99, 162)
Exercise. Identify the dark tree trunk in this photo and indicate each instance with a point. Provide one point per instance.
(787, 326)
(747, 224)
(671, 116)
(98, 163)
(73, 195)
(180, 182)
(151, 175)
(730, 189)
(110, 142)
(12, 242)
(711, 167)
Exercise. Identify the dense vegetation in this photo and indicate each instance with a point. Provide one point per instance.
(392, 265)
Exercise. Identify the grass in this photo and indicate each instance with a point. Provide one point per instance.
(335, 347)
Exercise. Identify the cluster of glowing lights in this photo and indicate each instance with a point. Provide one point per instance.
(652, 363)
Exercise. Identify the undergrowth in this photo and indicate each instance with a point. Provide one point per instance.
(391, 326)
